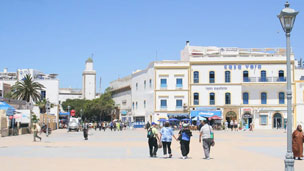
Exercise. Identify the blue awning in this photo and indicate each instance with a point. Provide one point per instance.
(67, 113)
(207, 114)
(178, 115)
(123, 112)
(9, 109)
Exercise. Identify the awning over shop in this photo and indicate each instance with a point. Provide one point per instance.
(173, 115)
(207, 114)
(123, 112)
(10, 111)
(64, 114)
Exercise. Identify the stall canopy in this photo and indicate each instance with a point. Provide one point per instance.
(162, 120)
(9, 109)
(173, 119)
(199, 118)
(215, 117)
(64, 114)
(206, 114)
(123, 112)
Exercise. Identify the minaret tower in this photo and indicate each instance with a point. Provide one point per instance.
(89, 81)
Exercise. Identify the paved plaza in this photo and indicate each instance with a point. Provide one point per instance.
(128, 150)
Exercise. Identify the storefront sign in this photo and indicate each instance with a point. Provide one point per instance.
(240, 67)
(216, 88)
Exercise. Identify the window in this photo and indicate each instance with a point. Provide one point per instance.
(263, 119)
(281, 76)
(227, 76)
(133, 105)
(0, 93)
(163, 83)
(136, 105)
(150, 83)
(227, 98)
(136, 86)
(263, 76)
(144, 103)
(163, 104)
(179, 104)
(179, 82)
(211, 98)
(263, 98)
(195, 77)
(124, 102)
(196, 99)
(246, 76)
(145, 84)
(211, 77)
(43, 95)
(245, 98)
(281, 98)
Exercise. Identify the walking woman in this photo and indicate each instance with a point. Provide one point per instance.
(184, 136)
(297, 142)
(166, 134)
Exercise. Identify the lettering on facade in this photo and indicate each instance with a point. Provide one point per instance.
(216, 88)
(240, 67)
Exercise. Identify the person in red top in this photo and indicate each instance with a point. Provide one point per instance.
(297, 142)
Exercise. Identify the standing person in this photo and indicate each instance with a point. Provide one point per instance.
(147, 125)
(152, 139)
(205, 135)
(236, 125)
(231, 125)
(85, 130)
(104, 126)
(111, 126)
(297, 143)
(118, 126)
(99, 125)
(226, 125)
(36, 130)
(184, 136)
(166, 134)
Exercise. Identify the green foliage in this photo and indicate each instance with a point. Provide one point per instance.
(92, 110)
(34, 119)
(27, 89)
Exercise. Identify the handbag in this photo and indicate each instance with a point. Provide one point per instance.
(212, 138)
(160, 145)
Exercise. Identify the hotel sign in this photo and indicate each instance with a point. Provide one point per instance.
(240, 66)
(216, 88)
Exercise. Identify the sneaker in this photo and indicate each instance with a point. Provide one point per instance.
(170, 155)
(165, 155)
(185, 157)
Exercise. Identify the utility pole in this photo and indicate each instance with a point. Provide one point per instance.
(47, 106)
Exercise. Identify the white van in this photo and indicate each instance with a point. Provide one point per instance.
(74, 124)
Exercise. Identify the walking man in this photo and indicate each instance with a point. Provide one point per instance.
(152, 139)
(36, 130)
(205, 135)
(85, 130)
(226, 125)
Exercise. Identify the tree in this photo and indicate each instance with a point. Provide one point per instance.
(27, 89)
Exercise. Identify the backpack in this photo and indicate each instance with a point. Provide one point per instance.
(150, 133)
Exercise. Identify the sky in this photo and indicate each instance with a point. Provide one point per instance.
(57, 36)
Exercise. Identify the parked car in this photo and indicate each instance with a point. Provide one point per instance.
(74, 124)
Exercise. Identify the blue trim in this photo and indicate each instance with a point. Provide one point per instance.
(205, 113)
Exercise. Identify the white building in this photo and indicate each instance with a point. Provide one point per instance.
(49, 81)
(247, 85)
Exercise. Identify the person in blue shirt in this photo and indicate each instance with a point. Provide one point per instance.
(184, 136)
(166, 135)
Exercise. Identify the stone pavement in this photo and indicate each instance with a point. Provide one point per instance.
(128, 150)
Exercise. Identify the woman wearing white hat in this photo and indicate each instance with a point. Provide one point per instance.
(184, 136)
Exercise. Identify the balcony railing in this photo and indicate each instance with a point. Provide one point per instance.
(264, 79)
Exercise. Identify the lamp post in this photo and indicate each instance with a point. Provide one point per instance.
(69, 107)
(287, 18)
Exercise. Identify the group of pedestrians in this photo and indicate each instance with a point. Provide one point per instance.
(164, 139)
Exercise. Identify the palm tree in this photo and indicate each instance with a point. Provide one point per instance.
(27, 89)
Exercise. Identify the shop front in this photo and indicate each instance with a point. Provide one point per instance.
(231, 114)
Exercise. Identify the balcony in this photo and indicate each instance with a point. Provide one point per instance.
(264, 79)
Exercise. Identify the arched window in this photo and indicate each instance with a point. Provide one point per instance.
(211, 77)
(245, 98)
(211, 98)
(227, 98)
(196, 98)
(263, 76)
(195, 77)
(263, 98)
(246, 76)
(227, 76)
(281, 98)
(281, 76)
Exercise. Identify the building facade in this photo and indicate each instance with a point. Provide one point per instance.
(243, 85)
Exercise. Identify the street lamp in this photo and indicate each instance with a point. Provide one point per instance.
(69, 107)
(287, 18)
